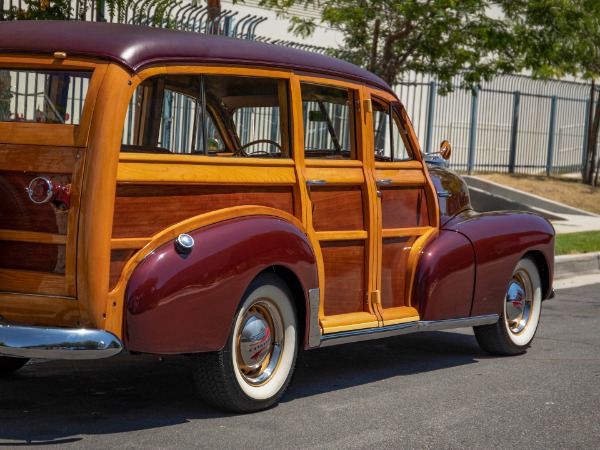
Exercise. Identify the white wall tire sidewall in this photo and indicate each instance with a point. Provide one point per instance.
(278, 380)
(526, 335)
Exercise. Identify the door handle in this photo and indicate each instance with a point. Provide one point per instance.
(383, 182)
(316, 182)
(444, 194)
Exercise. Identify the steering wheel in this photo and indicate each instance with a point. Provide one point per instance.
(241, 151)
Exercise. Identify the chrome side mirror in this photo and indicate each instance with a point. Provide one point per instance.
(445, 151)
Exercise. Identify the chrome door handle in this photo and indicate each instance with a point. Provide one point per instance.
(382, 182)
(315, 182)
(444, 194)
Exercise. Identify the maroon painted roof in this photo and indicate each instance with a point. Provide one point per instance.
(136, 47)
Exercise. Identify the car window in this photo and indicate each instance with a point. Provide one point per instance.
(328, 122)
(389, 134)
(209, 115)
(51, 97)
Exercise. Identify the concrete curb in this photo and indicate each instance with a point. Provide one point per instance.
(566, 265)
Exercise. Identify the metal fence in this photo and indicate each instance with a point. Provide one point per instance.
(513, 124)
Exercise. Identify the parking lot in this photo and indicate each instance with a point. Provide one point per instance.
(436, 390)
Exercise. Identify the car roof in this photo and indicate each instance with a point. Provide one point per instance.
(136, 47)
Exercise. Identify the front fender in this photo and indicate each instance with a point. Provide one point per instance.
(500, 240)
(186, 303)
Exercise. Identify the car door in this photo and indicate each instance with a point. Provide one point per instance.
(341, 202)
(406, 207)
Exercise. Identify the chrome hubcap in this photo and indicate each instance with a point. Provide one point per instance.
(518, 303)
(259, 342)
(255, 341)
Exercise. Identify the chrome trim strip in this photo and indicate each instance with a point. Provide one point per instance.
(314, 330)
(57, 343)
(346, 337)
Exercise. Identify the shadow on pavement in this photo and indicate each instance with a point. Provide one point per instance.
(57, 402)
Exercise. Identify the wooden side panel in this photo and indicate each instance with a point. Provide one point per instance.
(395, 252)
(33, 282)
(404, 207)
(39, 309)
(337, 208)
(344, 275)
(33, 256)
(144, 210)
(118, 259)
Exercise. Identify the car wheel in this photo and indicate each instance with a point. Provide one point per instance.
(254, 368)
(514, 331)
(9, 364)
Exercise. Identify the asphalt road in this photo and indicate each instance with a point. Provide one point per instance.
(435, 390)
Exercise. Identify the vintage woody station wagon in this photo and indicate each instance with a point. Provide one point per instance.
(166, 192)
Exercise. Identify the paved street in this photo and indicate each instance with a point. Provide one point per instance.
(435, 390)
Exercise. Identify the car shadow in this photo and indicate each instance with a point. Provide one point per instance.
(58, 401)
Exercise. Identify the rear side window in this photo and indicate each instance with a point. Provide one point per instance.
(51, 97)
(209, 115)
(389, 134)
(328, 122)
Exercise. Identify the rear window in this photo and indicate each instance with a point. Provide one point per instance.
(52, 97)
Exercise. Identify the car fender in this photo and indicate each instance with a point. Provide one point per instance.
(500, 240)
(185, 303)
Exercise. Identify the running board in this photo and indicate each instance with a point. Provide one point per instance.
(346, 337)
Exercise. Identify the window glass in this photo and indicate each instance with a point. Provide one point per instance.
(53, 97)
(328, 122)
(209, 115)
(389, 134)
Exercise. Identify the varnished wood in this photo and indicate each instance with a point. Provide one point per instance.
(337, 208)
(30, 282)
(206, 172)
(395, 253)
(341, 175)
(118, 259)
(344, 277)
(33, 237)
(128, 243)
(401, 177)
(348, 322)
(142, 211)
(341, 235)
(38, 158)
(39, 309)
(403, 314)
(33, 256)
(404, 208)
(403, 232)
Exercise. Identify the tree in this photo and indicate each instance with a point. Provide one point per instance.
(554, 38)
(391, 37)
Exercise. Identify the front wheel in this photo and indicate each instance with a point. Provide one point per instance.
(255, 367)
(514, 331)
(9, 364)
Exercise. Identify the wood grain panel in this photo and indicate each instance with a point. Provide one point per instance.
(395, 254)
(32, 282)
(38, 133)
(18, 212)
(31, 158)
(142, 211)
(39, 309)
(410, 177)
(33, 237)
(337, 208)
(32, 256)
(344, 264)
(118, 259)
(205, 173)
(404, 208)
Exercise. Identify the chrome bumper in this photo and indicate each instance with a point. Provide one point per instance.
(57, 343)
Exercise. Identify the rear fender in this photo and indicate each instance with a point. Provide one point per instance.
(176, 303)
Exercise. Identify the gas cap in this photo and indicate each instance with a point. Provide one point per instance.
(184, 244)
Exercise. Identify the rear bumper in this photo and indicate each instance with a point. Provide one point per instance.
(57, 343)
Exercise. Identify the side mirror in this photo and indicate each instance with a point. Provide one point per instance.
(445, 150)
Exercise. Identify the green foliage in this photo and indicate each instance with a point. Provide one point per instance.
(390, 38)
(40, 10)
(583, 242)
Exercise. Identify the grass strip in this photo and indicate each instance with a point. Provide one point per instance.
(582, 242)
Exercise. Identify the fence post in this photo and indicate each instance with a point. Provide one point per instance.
(586, 134)
(430, 115)
(100, 11)
(514, 132)
(550, 159)
(473, 133)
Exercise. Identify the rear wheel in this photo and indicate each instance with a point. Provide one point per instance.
(515, 329)
(254, 368)
(9, 365)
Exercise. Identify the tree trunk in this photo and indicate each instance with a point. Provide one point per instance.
(592, 143)
(214, 9)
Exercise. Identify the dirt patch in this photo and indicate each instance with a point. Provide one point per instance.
(563, 190)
